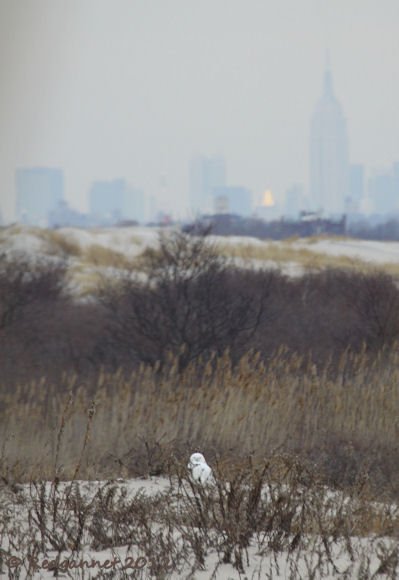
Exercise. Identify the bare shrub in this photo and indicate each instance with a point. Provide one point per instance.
(43, 331)
(192, 304)
(185, 300)
(25, 284)
(375, 300)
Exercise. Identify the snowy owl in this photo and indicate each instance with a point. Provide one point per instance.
(200, 470)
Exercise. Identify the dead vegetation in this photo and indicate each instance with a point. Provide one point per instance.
(97, 255)
(60, 244)
(271, 518)
(284, 253)
(289, 387)
(346, 425)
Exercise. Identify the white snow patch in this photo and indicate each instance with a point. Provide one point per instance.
(368, 251)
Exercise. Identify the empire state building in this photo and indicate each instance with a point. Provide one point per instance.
(329, 157)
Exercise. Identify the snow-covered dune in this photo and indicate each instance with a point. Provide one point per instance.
(366, 250)
(109, 251)
(133, 240)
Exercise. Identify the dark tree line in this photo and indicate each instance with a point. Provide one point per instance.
(234, 225)
(190, 303)
(383, 231)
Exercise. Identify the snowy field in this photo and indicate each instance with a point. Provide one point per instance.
(368, 251)
(131, 241)
(45, 519)
(109, 252)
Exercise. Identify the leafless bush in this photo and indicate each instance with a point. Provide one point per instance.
(195, 304)
(43, 331)
(192, 304)
(25, 285)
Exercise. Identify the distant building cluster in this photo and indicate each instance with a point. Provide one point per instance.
(40, 201)
(337, 187)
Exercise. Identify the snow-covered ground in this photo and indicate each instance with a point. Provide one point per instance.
(312, 557)
(128, 241)
(131, 241)
(122, 247)
(368, 251)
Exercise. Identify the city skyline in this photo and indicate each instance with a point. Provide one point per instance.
(135, 91)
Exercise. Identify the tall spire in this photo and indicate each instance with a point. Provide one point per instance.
(328, 89)
(329, 157)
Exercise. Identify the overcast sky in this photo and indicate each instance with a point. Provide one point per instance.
(134, 88)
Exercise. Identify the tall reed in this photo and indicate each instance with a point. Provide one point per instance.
(342, 421)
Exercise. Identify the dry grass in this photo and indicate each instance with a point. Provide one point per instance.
(224, 411)
(95, 264)
(269, 504)
(55, 243)
(321, 237)
(275, 513)
(101, 256)
(136, 240)
(282, 253)
(59, 244)
(279, 253)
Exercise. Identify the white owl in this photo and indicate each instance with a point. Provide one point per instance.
(200, 470)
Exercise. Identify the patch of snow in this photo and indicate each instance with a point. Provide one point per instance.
(22, 243)
(130, 241)
(237, 240)
(368, 251)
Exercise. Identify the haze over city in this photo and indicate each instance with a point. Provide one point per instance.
(133, 89)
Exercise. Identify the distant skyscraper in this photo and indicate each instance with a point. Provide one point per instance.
(134, 205)
(356, 181)
(231, 199)
(294, 201)
(356, 187)
(206, 174)
(329, 157)
(114, 200)
(39, 191)
(106, 199)
(383, 189)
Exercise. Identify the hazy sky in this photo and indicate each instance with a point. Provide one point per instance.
(134, 88)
